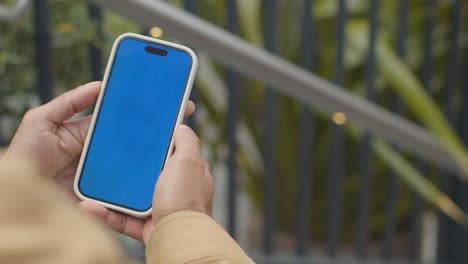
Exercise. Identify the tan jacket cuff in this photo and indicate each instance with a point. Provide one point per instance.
(192, 237)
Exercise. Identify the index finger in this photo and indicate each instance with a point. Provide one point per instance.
(71, 102)
(190, 108)
(186, 141)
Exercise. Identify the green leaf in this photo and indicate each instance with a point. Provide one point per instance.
(213, 93)
(326, 9)
(417, 182)
(420, 104)
(400, 78)
(249, 18)
(412, 177)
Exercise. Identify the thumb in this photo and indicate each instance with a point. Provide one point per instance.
(74, 101)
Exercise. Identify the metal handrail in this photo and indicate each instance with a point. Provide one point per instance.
(14, 12)
(285, 77)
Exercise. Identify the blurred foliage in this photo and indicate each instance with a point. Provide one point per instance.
(73, 31)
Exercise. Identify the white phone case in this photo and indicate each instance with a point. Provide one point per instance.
(179, 120)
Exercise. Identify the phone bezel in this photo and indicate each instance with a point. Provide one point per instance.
(180, 116)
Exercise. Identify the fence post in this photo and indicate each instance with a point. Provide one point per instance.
(452, 244)
(95, 53)
(43, 54)
(232, 81)
(337, 163)
(458, 235)
(269, 179)
(305, 170)
(191, 7)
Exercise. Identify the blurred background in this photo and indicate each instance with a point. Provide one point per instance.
(343, 142)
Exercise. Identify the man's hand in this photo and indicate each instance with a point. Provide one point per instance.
(49, 137)
(184, 184)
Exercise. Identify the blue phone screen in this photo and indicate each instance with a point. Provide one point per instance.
(135, 124)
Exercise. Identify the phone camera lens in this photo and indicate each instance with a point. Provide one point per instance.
(156, 51)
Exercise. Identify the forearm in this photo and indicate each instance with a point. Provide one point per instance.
(192, 237)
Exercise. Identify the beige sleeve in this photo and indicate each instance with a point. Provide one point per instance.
(191, 237)
(39, 224)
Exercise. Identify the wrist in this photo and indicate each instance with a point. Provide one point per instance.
(163, 213)
(150, 232)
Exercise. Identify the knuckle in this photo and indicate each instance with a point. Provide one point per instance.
(208, 178)
(188, 158)
(31, 114)
(210, 182)
(184, 130)
(118, 222)
(197, 139)
(190, 133)
(207, 165)
(190, 161)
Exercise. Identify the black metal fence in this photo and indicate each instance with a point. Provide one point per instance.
(453, 239)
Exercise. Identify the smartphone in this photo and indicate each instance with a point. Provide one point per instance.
(143, 97)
